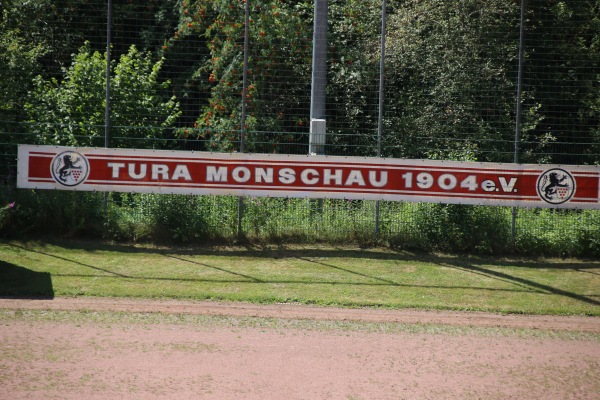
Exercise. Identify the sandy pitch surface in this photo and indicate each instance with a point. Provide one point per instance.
(75, 359)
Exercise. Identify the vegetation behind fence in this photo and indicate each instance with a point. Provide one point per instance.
(176, 82)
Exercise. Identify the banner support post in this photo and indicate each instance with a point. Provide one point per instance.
(317, 135)
(244, 103)
(381, 93)
(518, 111)
(107, 101)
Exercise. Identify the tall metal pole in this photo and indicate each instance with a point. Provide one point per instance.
(519, 85)
(245, 76)
(107, 105)
(318, 124)
(108, 61)
(381, 77)
(381, 93)
(518, 109)
(244, 104)
(319, 79)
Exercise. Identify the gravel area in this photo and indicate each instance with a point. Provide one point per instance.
(200, 350)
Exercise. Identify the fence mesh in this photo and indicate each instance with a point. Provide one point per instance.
(176, 82)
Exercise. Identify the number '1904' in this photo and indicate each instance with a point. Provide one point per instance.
(448, 182)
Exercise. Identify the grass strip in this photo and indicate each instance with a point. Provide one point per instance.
(125, 321)
(323, 275)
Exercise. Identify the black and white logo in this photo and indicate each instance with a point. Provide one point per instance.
(70, 168)
(556, 186)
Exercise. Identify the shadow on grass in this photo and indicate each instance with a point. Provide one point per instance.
(19, 282)
(296, 251)
(246, 278)
(474, 265)
(524, 282)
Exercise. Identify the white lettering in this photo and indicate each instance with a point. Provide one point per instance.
(240, 174)
(142, 173)
(507, 187)
(488, 185)
(470, 182)
(216, 175)
(308, 180)
(115, 168)
(287, 176)
(264, 175)
(160, 171)
(355, 177)
(328, 176)
(425, 180)
(181, 171)
(383, 178)
(407, 180)
(447, 181)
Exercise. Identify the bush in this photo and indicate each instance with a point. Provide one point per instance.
(461, 228)
(558, 233)
(56, 213)
(198, 219)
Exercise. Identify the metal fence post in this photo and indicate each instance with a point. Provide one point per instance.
(518, 110)
(318, 123)
(243, 117)
(108, 44)
(319, 80)
(107, 105)
(381, 93)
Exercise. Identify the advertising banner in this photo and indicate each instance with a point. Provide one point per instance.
(271, 175)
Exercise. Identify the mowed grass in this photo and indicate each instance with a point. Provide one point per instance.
(322, 275)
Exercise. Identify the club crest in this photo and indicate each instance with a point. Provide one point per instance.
(556, 186)
(69, 168)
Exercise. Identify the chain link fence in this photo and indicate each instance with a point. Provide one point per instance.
(451, 91)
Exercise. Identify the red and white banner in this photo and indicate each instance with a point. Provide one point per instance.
(268, 175)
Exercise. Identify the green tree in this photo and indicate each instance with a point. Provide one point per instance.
(451, 80)
(19, 55)
(71, 111)
(278, 74)
(451, 71)
(19, 65)
(562, 77)
(354, 35)
(279, 80)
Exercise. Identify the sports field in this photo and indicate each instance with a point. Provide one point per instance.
(105, 321)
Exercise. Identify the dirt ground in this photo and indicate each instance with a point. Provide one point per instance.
(445, 355)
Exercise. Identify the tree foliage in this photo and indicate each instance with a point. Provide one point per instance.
(20, 55)
(563, 81)
(450, 75)
(279, 67)
(72, 111)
